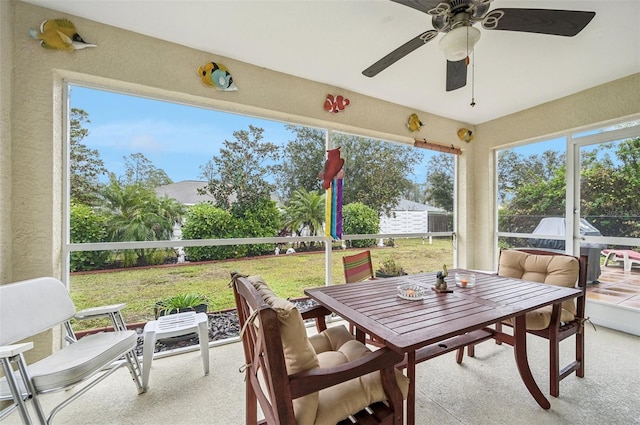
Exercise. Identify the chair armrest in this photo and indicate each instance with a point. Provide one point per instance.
(310, 381)
(104, 310)
(8, 351)
(318, 313)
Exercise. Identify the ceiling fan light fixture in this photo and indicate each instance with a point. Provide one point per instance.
(459, 42)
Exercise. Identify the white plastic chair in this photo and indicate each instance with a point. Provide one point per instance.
(36, 305)
(173, 325)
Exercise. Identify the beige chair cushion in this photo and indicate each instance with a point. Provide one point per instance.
(298, 352)
(557, 270)
(335, 346)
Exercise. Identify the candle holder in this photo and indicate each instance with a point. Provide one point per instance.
(465, 280)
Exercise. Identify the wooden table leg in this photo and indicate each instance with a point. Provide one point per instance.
(520, 350)
(411, 396)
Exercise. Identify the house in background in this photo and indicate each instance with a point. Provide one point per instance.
(185, 192)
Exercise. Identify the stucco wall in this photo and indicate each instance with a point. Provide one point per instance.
(6, 59)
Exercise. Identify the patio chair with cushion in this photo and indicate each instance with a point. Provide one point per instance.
(555, 323)
(36, 305)
(326, 378)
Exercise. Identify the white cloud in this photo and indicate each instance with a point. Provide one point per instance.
(156, 136)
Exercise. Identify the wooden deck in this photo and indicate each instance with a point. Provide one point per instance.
(617, 287)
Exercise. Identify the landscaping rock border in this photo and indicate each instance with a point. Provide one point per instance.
(222, 325)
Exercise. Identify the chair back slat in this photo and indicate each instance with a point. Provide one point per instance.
(357, 267)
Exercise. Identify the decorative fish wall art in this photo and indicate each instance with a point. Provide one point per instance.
(335, 103)
(414, 123)
(59, 34)
(218, 76)
(465, 135)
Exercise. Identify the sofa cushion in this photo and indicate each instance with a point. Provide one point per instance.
(560, 270)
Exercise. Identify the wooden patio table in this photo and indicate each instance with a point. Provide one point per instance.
(441, 322)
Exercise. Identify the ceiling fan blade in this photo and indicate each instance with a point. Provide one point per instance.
(541, 21)
(421, 5)
(399, 53)
(456, 74)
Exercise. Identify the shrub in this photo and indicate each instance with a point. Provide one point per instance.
(260, 220)
(205, 221)
(86, 226)
(359, 219)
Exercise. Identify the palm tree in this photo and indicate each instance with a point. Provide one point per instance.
(137, 214)
(305, 209)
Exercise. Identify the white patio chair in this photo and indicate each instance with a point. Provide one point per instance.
(173, 325)
(36, 305)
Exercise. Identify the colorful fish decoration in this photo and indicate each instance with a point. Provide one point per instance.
(59, 34)
(414, 123)
(465, 135)
(218, 76)
(335, 103)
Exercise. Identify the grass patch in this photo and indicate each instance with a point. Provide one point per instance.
(288, 276)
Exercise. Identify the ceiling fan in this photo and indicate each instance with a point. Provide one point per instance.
(456, 18)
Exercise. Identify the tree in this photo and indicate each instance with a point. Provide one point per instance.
(608, 188)
(140, 170)
(85, 165)
(303, 158)
(541, 197)
(240, 173)
(375, 170)
(305, 209)
(515, 170)
(440, 181)
(417, 193)
(136, 213)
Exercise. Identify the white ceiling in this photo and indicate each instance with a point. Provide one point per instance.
(333, 41)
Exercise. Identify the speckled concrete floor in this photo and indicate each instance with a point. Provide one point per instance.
(483, 390)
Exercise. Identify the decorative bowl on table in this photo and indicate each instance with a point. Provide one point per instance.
(465, 280)
(411, 291)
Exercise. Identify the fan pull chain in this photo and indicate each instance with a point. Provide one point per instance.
(473, 68)
(473, 80)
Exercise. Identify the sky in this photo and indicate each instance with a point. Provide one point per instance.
(176, 138)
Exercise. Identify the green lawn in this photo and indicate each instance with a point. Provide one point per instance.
(288, 275)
